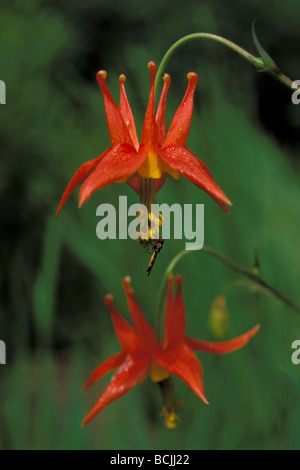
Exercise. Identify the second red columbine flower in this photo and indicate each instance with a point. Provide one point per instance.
(145, 165)
(142, 355)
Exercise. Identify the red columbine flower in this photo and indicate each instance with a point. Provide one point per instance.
(142, 355)
(145, 165)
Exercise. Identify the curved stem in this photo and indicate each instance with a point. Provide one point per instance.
(250, 273)
(258, 62)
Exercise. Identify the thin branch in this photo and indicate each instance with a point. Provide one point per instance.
(252, 274)
(258, 62)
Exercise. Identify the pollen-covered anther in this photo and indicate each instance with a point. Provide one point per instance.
(153, 234)
(122, 78)
(171, 418)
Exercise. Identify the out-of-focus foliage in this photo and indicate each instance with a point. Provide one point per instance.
(55, 272)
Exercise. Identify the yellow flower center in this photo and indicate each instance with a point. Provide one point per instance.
(154, 167)
(157, 373)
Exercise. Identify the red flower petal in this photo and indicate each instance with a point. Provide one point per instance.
(116, 127)
(185, 162)
(185, 364)
(142, 328)
(174, 317)
(79, 177)
(110, 364)
(126, 113)
(169, 313)
(134, 184)
(129, 374)
(121, 162)
(161, 110)
(150, 132)
(159, 183)
(222, 347)
(181, 123)
(125, 334)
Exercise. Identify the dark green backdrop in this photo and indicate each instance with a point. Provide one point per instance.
(55, 272)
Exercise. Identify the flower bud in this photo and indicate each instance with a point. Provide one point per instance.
(218, 320)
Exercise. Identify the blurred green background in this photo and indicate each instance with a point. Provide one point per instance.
(55, 272)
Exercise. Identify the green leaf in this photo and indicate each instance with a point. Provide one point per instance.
(268, 63)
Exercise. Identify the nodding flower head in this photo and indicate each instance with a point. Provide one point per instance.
(158, 154)
(142, 355)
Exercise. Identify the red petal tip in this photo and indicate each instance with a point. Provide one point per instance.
(126, 283)
(178, 281)
(101, 75)
(170, 284)
(122, 78)
(166, 78)
(192, 77)
(108, 299)
(152, 67)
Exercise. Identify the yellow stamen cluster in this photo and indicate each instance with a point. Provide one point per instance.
(153, 226)
(171, 418)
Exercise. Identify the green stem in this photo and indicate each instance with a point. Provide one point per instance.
(256, 61)
(250, 273)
